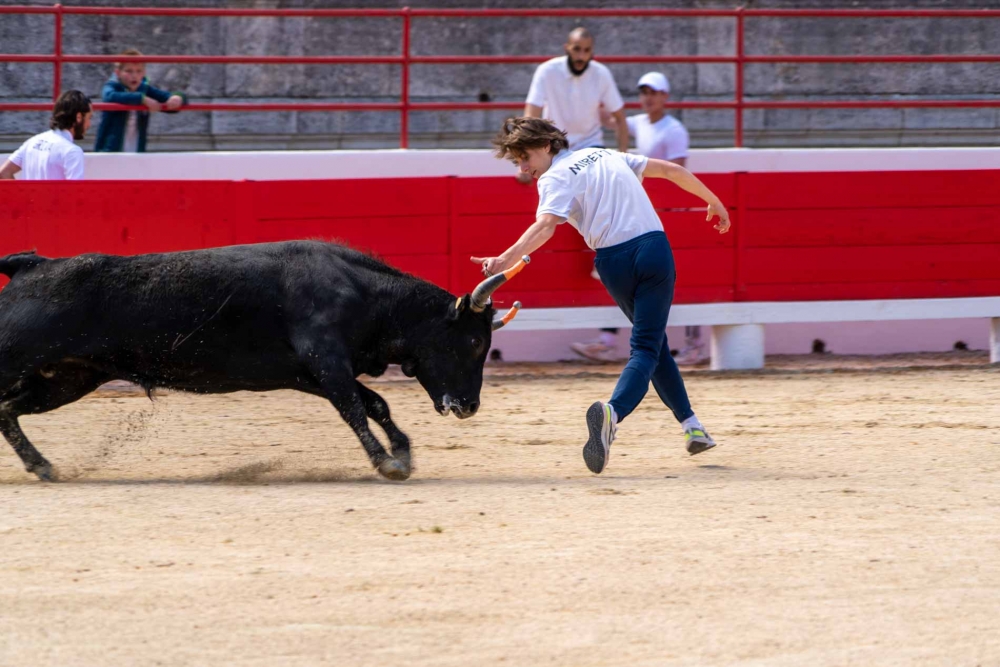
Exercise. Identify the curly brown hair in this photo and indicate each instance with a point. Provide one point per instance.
(69, 104)
(519, 134)
(127, 52)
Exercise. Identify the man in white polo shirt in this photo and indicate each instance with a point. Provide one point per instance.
(599, 192)
(570, 91)
(52, 155)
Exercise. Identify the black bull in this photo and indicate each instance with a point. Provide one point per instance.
(299, 315)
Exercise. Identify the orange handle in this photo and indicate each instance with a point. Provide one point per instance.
(516, 269)
(512, 313)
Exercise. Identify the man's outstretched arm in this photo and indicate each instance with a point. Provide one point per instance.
(533, 238)
(687, 181)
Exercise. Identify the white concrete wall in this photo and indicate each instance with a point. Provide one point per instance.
(840, 338)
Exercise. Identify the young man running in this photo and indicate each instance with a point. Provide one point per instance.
(600, 193)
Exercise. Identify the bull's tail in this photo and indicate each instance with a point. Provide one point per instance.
(20, 261)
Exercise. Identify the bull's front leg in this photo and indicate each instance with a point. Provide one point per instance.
(31, 457)
(348, 402)
(341, 389)
(378, 410)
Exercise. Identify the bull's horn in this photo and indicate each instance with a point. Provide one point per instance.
(481, 295)
(508, 316)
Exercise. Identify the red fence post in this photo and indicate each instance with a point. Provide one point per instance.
(740, 60)
(57, 65)
(404, 95)
(738, 133)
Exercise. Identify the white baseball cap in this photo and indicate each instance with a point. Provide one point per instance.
(656, 81)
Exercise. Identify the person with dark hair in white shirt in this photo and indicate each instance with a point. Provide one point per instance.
(52, 155)
(599, 192)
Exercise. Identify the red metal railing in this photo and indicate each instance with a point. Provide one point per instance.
(405, 59)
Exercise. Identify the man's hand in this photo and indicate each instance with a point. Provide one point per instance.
(152, 104)
(490, 265)
(174, 102)
(717, 208)
(621, 129)
(607, 120)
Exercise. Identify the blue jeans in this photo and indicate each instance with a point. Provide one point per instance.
(640, 275)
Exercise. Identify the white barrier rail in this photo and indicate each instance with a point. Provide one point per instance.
(737, 328)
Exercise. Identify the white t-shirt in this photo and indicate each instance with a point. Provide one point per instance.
(131, 142)
(666, 139)
(50, 156)
(573, 102)
(600, 193)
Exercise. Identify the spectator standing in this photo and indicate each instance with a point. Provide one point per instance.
(571, 91)
(657, 133)
(574, 92)
(52, 155)
(125, 131)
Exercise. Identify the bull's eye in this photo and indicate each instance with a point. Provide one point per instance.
(477, 344)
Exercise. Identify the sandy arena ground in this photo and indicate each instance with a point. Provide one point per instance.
(850, 518)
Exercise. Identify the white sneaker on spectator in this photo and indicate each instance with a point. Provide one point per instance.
(595, 351)
(691, 355)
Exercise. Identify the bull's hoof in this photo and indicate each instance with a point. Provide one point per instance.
(45, 472)
(394, 469)
(403, 456)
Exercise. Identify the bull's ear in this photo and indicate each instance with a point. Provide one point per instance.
(409, 368)
(461, 303)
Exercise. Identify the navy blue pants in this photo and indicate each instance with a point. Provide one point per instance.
(640, 275)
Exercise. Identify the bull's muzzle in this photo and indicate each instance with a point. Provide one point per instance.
(457, 408)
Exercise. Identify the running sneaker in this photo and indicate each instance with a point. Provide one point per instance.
(697, 440)
(602, 427)
(595, 351)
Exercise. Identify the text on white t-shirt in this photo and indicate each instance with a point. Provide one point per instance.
(600, 193)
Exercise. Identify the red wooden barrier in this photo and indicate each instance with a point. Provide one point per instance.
(871, 235)
(797, 236)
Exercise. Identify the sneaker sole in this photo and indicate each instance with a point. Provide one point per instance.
(587, 357)
(699, 447)
(594, 453)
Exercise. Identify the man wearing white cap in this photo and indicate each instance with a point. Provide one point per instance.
(657, 133)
